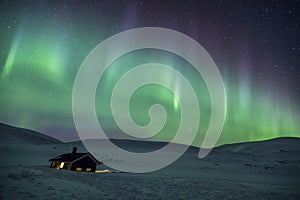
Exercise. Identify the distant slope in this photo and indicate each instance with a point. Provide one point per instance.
(9, 134)
(271, 146)
(283, 144)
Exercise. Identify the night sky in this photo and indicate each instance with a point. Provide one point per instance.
(255, 44)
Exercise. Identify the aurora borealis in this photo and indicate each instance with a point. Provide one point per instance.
(255, 45)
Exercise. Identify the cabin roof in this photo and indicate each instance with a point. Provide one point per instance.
(72, 157)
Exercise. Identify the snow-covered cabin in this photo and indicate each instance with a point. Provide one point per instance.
(75, 161)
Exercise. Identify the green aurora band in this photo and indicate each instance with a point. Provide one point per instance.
(40, 68)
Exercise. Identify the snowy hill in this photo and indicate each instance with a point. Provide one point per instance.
(20, 135)
(253, 170)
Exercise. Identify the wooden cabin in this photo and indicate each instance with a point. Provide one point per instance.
(75, 161)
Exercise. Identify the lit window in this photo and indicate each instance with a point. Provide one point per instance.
(88, 169)
(78, 169)
(61, 165)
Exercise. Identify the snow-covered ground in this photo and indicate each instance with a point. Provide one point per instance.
(259, 170)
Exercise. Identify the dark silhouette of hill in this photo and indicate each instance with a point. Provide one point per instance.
(21, 135)
(283, 144)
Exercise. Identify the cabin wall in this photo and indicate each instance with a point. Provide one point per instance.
(84, 164)
(55, 164)
(61, 165)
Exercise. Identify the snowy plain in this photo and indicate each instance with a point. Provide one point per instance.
(254, 170)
